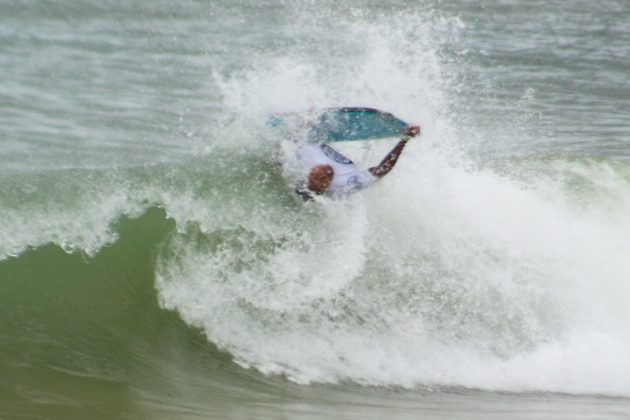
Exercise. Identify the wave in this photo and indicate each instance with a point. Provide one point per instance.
(510, 276)
(460, 269)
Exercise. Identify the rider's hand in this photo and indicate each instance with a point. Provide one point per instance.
(412, 131)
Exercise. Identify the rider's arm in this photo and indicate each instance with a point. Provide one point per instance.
(387, 164)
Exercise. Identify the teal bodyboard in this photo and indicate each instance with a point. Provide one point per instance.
(347, 124)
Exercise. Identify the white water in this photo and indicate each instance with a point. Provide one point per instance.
(447, 273)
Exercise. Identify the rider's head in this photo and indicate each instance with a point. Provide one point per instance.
(320, 178)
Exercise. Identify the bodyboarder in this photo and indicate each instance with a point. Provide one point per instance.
(331, 173)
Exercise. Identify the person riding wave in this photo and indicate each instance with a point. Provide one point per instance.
(331, 173)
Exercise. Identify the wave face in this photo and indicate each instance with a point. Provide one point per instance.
(155, 262)
(509, 277)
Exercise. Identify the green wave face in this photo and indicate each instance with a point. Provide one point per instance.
(200, 281)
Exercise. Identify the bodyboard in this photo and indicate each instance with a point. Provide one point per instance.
(342, 124)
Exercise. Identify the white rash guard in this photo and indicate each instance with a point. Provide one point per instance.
(347, 177)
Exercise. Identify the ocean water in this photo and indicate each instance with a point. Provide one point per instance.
(155, 262)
